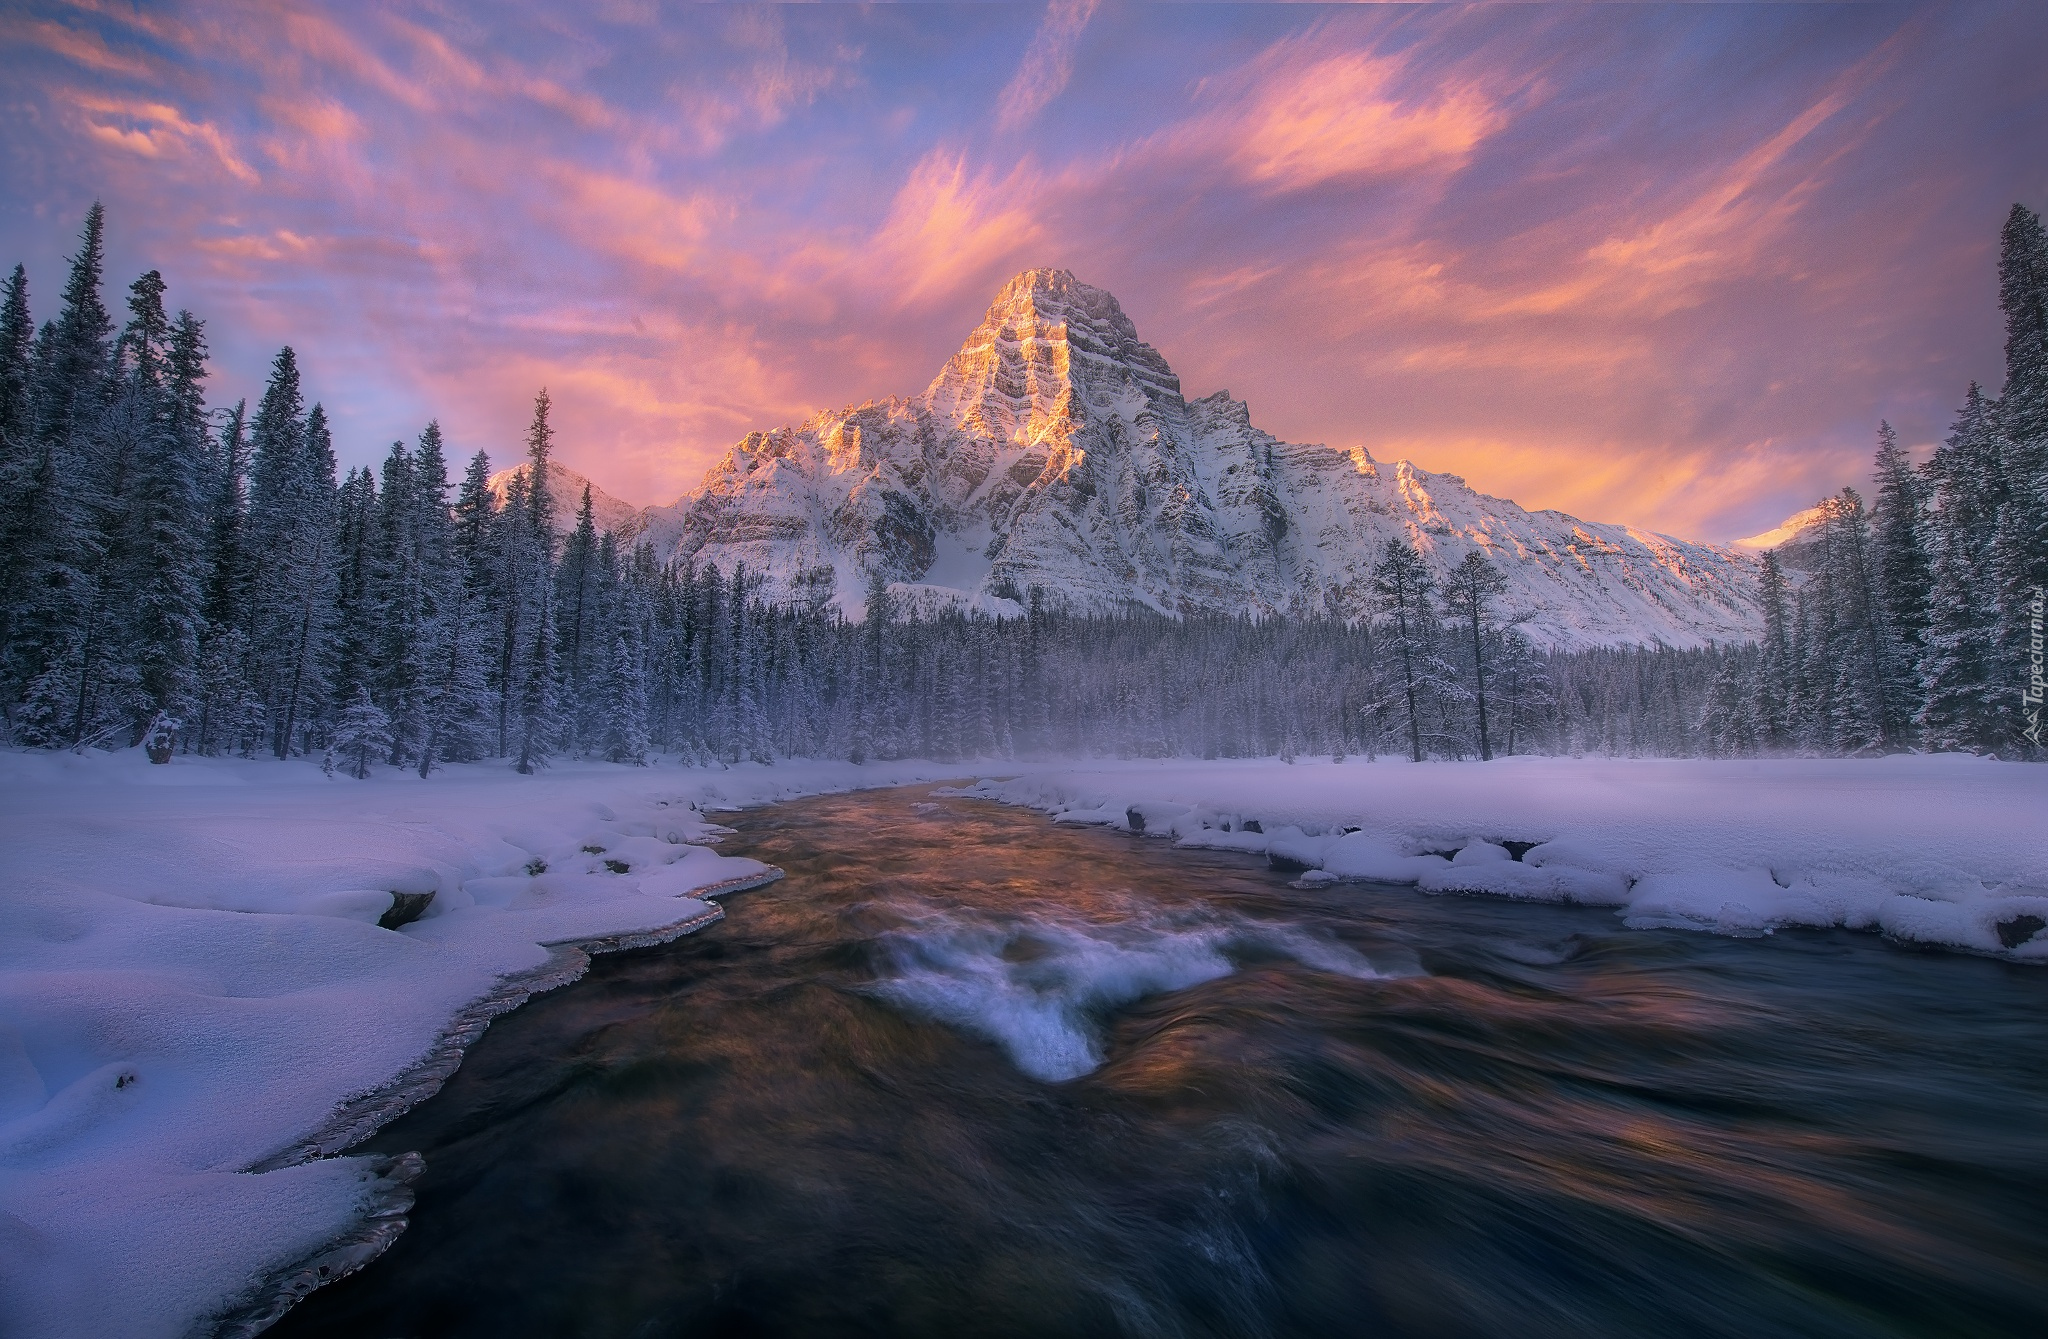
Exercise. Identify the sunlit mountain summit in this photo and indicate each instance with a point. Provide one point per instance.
(1056, 452)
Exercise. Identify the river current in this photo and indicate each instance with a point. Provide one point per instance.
(966, 1072)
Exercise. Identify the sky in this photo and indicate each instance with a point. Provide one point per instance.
(1662, 265)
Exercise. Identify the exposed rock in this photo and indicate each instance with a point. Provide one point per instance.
(1055, 453)
(405, 909)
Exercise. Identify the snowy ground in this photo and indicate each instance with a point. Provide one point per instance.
(197, 1005)
(1946, 850)
(193, 985)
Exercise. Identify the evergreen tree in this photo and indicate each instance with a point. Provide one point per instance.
(2020, 543)
(1522, 685)
(226, 511)
(625, 703)
(533, 650)
(585, 654)
(167, 576)
(1862, 718)
(1903, 578)
(1403, 583)
(456, 560)
(292, 540)
(1774, 663)
(53, 529)
(1960, 708)
(1473, 585)
(352, 645)
(363, 734)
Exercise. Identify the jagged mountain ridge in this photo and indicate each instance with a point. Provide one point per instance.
(1057, 450)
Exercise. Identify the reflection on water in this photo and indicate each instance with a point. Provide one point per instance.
(964, 1072)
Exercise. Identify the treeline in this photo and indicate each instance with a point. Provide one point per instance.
(1918, 624)
(202, 581)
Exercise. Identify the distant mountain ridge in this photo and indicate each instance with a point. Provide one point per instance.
(1056, 450)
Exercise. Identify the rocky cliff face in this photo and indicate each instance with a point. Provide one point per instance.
(1056, 450)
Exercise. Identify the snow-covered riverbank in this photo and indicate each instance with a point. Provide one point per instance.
(193, 982)
(1944, 850)
(198, 1006)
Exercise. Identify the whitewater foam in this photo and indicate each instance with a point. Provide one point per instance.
(1040, 988)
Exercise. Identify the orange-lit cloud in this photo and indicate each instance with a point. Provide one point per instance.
(1337, 119)
(1609, 260)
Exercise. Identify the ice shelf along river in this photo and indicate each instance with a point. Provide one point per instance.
(965, 1072)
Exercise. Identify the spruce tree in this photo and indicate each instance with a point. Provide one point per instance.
(17, 403)
(2020, 545)
(532, 649)
(1902, 573)
(585, 653)
(1403, 583)
(456, 559)
(54, 526)
(1961, 703)
(164, 516)
(1473, 585)
(292, 533)
(226, 510)
(1862, 716)
(362, 736)
(625, 703)
(17, 440)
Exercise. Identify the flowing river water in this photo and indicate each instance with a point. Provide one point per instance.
(965, 1072)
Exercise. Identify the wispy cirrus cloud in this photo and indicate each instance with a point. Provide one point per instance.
(1048, 63)
(1612, 260)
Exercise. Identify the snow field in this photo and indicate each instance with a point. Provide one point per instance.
(1947, 850)
(197, 1002)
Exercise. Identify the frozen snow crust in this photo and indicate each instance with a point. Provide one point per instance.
(198, 1006)
(1946, 850)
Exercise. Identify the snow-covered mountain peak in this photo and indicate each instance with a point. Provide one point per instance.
(1051, 352)
(1055, 453)
(566, 487)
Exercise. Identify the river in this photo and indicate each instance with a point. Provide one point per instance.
(968, 1072)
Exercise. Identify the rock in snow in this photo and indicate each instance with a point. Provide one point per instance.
(1056, 450)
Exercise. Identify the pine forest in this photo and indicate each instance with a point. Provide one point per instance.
(196, 578)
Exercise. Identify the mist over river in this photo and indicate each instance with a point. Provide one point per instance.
(968, 1072)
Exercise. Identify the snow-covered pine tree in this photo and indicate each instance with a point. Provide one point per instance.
(2020, 544)
(53, 527)
(533, 649)
(226, 508)
(456, 563)
(586, 653)
(1474, 584)
(1961, 707)
(102, 669)
(1403, 584)
(1863, 719)
(1774, 670)
(873, 737)
(291, 533)
(362, 737)
(1522, 687)
(17, 434)
(1901, 569)
(351, 649)
(398, 605)
(625, 702)
(166, 577)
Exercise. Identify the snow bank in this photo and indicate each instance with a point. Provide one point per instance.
(198, 1004)
(1946, 850)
